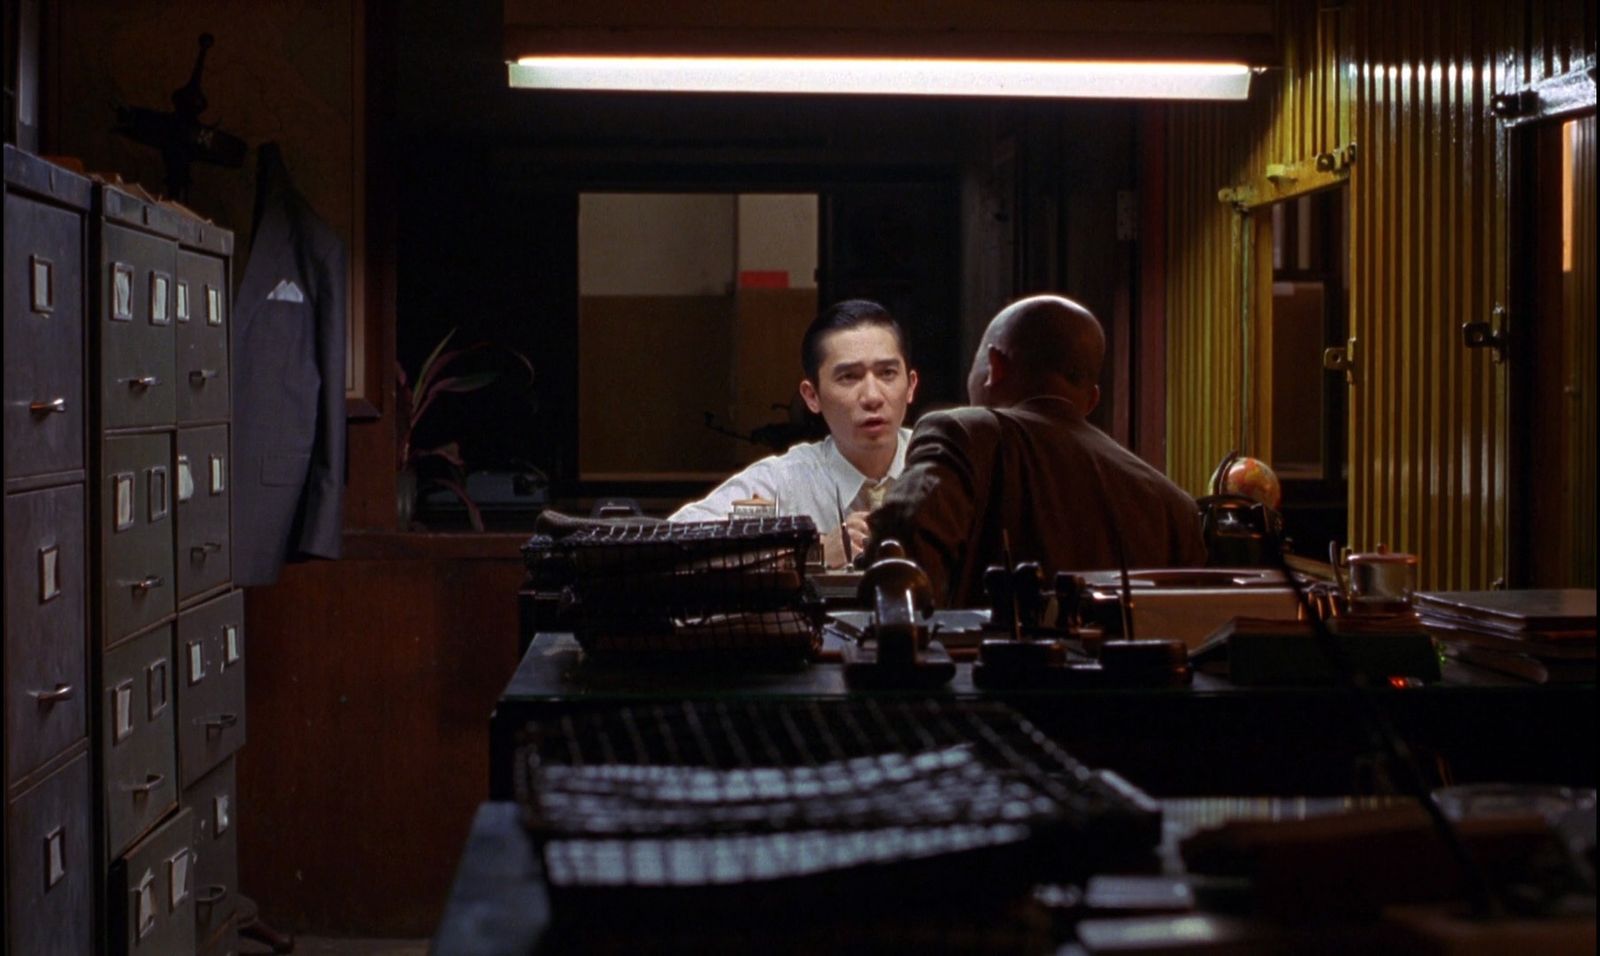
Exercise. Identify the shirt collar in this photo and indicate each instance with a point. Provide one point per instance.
(846, 477)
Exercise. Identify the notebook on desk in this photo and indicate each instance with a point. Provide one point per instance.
(1556, 613)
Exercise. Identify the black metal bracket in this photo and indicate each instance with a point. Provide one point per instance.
(1488, 335)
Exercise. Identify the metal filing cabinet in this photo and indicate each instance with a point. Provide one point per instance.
(136, 534)
(47, 837)
(201, 479)
(138, 750)
(213, 800)
(152, 893)
(211, 725)
(169, 627)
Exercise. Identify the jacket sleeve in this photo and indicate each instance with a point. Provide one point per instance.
(323, 496)
(935, 507)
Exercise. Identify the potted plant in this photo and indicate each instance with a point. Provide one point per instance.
(444, 371)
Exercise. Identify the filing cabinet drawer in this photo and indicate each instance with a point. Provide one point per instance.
(136, 736)
(50, 870)
(136, 533)
(152, 893)
(203, 477)
(214, 803)
(137, 309)
(45, 639)
(202, 331)
(210, 673)
(44, 289)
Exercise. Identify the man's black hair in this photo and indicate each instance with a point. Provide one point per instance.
(849, 314)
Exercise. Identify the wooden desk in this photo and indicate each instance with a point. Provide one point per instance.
(499, 905)
(1209, 738)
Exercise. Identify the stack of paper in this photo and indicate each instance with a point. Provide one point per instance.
(1545, 636)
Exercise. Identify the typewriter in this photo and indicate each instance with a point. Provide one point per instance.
(732, 590)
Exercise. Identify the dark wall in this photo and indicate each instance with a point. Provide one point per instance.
(487, 210)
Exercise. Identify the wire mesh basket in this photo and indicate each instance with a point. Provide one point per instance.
(733, 587)
(728, 800)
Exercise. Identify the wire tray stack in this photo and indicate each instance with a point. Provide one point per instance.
(897, 801)
(729, 588)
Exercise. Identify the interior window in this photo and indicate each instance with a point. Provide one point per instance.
(691, 307)
(1308, 314)
(1553, 349)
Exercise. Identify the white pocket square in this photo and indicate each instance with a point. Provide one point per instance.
(286, 291)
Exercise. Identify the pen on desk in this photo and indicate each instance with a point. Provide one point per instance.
(844, 535)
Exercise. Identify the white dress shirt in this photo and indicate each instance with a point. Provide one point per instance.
(812, 478)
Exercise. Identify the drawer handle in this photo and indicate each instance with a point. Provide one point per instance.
(48, 697)
(143, 382)
(201, 550)
(151, 782)
(221, 722)
(147, 584)
(214, 894)
(57, 405)
(202, 375)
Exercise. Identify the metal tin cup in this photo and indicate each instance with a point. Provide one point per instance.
(1381, 579)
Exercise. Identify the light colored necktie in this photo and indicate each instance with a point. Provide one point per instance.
(871, 496)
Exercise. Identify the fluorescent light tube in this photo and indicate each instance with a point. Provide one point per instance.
(1104, 79)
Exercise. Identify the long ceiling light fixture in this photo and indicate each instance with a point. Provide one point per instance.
(1102, 79)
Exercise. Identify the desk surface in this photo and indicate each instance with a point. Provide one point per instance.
(1211, 737)
(499, 906)
(555, 669)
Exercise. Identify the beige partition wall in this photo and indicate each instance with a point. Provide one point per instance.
(1395, 100)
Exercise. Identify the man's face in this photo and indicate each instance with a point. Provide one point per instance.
(862, 388)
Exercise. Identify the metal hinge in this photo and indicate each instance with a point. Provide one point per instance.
(1342, 360)
(1337, 160)
(1488, 335)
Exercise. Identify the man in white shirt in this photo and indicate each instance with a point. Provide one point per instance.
(858, 379)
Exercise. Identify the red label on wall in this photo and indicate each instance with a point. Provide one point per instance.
(764, 279)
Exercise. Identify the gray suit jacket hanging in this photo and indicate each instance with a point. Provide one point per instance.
(289, 374)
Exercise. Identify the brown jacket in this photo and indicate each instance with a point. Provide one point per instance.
(1062, 489)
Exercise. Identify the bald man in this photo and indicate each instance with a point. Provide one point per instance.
(1026, 462)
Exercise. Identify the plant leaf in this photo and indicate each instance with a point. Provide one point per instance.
(470, 382)
(474, 515)
(427, 364)
(449, 451)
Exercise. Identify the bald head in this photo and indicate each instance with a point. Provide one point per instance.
(1042, 345)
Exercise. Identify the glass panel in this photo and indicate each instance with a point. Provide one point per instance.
(1555, 352)
(698, 301)
(1305, 414)
(1578, 299)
